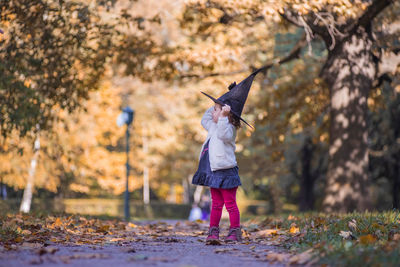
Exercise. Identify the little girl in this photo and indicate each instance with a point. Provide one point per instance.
(217, 166)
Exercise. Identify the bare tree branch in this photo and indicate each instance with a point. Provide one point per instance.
(293, 54)
(299, 21)
(372, 11)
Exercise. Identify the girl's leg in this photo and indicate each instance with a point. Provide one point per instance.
(216, 207)
(229, 196)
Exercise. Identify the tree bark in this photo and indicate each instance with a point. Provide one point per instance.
(307, 179)
(146, 186)
(396, 187)
(349, 72)
(27, 197)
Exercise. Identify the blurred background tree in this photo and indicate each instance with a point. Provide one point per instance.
(80, 62)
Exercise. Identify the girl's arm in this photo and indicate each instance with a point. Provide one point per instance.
(225, 130)
(207, 119)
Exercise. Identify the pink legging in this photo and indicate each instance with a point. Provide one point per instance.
(220, 197)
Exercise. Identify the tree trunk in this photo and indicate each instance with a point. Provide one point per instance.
(349, 73)
(396, 187)
(307, 180)
(146, 186)
(27, 197)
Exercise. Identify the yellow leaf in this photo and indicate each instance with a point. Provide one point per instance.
(294, 229)
(132, 225)
(367, 239)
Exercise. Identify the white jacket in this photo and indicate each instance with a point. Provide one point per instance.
(222, 135)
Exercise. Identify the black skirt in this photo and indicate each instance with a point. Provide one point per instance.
(226, 178)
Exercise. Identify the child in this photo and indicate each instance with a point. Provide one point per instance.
(217, 166)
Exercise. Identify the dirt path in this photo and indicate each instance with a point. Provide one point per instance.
(153, 243)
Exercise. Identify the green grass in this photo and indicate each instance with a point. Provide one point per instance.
(374, 238)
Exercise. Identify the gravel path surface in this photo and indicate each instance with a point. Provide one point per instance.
(180, 246)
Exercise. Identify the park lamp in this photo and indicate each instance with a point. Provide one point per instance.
(126, 117)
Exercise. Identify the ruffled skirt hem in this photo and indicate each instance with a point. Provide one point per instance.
(218, 179)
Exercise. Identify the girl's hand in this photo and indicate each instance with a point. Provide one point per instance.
(225, 111)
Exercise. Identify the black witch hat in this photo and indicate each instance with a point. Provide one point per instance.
(237, 95)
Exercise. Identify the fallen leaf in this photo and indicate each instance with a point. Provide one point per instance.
(132, 225)
(103, 228)
(116, 239)
(301, 258)
(346, 235)
(213, 242)
(294, 229)
(352, 224)
(58, 222)
(26, 232)
(367, 239)
(18, 239)
(222, 250)
(268, 232)
(277, 257)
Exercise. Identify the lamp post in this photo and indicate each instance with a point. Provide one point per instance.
(126, 117)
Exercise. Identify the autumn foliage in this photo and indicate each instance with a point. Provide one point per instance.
(69, 67)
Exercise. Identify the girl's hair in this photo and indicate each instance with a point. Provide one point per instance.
(234, 120)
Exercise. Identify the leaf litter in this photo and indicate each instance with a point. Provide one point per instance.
(44, 235)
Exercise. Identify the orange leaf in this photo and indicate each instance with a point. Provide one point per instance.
(58, 222)
(132, 225)
(294, 229)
